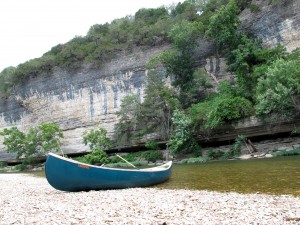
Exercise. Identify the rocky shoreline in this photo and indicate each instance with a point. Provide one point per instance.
(31, 200)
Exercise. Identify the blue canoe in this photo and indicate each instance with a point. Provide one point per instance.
(69, 175)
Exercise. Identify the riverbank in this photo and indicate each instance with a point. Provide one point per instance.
(31, 200)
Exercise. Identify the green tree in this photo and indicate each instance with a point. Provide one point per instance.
(152, 145)
(39, 140)
(182, 140)
(151, 16)
(185, 11)
(15, 141)
(97, 139)
(97, 156)
(157, 108)
(223, 26)
(180, 62)
(6, 80)
(47, 135)
(279, 91)
(128, 116)
(219, 108)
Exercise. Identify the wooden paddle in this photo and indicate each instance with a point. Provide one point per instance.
(126, 161)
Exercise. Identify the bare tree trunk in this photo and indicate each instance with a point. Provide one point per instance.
(252, 146)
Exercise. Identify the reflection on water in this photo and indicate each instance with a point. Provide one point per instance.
(280, 175)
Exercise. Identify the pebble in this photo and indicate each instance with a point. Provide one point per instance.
(25, 199)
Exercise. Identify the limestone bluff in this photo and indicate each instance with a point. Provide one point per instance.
(79, 99)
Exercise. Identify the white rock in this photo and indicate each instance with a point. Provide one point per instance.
(33, 201)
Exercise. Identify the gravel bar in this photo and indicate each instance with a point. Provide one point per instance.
(26, 199)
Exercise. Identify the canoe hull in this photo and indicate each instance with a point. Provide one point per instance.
(69, 175)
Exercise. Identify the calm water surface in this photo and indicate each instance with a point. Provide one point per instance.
(280, 175)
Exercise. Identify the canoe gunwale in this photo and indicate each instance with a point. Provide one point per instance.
(163, 167)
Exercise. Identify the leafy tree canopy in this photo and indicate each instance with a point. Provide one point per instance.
(158, 106)
(37, 141)
(279, 90)
(182, 140)
(223, 25)
(97, 139)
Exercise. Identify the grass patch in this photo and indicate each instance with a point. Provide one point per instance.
(3, 164)
(193, 160)
(287, 152)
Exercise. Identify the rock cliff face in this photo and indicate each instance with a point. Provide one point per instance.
(81, 99)
(274, 23)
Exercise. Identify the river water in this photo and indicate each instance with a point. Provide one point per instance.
(278, 175)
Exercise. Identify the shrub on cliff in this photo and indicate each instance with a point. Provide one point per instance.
(279, 91)
(219, 108)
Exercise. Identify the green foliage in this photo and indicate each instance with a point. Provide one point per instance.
(21, 167)
(235, 149)
(185, 11)
(152, 116)
(197, 150)
(6, 81)
(274, 2)
(150, 16)
(294, 55)
(97, 156)
(279, 90)
(182, 140)
(156, 110)
(152, 145)
(254, 8)
(184, 36)
(197, 89)
(153, 155)
(3, 164)
(249, 61)
(296, 131)
(97, 139)
(181, 133)
(38, 141)
(220, 108)
(226, 109)
(14, 140)
(201, 79)
(48, 136)
(241, 58)
(179, 62)
(193, 160)
(128, 115)
(223, 26)
(212, 155)
(287, 152)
